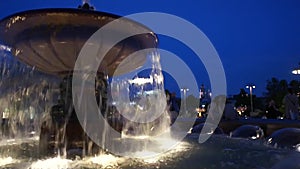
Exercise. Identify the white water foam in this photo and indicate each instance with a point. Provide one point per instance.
(7, 160)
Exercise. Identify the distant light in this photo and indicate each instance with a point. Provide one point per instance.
(298, 147)
(270, 140)
(250, 86)
(296, 71)
(141, 81)
(185, 89)
(254, 137)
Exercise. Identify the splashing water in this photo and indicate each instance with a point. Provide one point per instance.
(7, 160)
(105, 160)
(61, 163)
(51, 163)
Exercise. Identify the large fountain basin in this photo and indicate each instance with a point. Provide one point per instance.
(51, 39)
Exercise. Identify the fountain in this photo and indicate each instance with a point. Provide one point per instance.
(49, 40)
(39, 119)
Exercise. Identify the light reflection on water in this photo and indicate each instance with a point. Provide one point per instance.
(104, 161)
(100, 161)
(217, 152)
(151, 157)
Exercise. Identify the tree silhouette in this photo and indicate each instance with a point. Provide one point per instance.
(277, 89)
(242, 100)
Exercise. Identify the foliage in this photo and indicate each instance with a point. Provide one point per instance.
(277, 89)
(243, 100)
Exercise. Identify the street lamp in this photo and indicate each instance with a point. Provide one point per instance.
(251, 87)
(184, 90)
(296, 71)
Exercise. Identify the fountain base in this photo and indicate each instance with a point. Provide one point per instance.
(61, 132)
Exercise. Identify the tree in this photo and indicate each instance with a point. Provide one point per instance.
(243, 100)
(276, 90)
(295, 84)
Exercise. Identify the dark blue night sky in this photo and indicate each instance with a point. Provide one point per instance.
(256, 40)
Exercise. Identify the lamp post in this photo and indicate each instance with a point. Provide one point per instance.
(296, 71)
(184, 90)
(251, 87)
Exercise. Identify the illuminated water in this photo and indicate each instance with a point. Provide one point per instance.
(25, 96)
(217, 152)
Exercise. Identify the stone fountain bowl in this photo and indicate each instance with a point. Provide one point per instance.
(51, 39)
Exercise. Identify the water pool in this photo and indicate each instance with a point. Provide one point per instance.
(218, 152)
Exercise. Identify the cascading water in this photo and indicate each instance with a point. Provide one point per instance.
(141, 100)
(26, 95)
(139, 97)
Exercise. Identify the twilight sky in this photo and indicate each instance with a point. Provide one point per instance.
(255, 39)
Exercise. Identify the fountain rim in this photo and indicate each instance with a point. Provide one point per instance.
(8, 40)
(74, 10)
